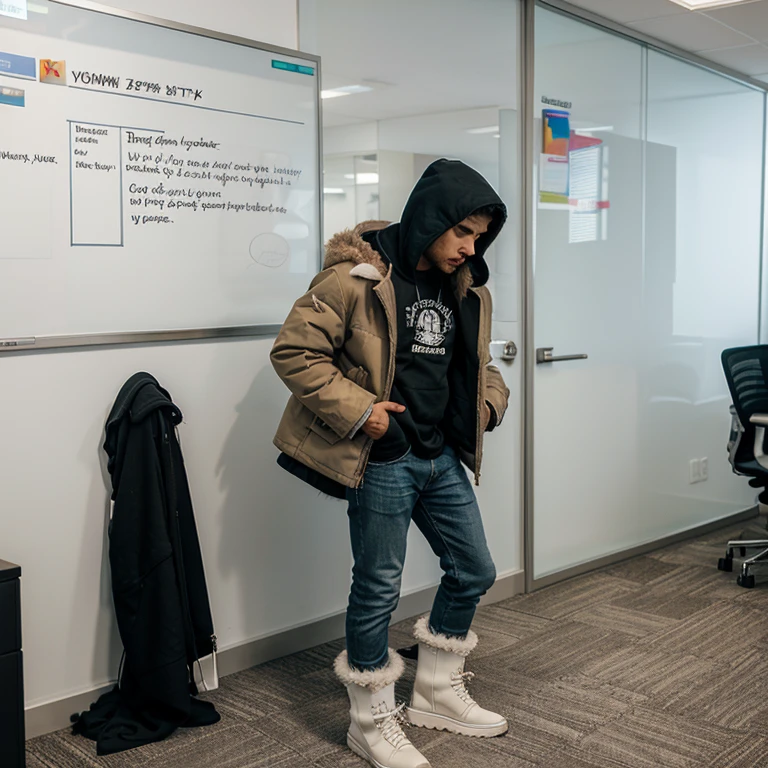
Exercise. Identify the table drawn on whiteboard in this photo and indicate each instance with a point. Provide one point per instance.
(269, 250)
(172, 175)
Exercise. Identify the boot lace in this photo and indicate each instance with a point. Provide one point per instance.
(390, 723)
(459, 682)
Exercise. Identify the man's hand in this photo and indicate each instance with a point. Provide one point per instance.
(378, 422)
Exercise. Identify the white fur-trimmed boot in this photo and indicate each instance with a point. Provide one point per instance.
(440, 698)
(374, 731)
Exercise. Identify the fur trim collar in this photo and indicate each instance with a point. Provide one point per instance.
(455, 645)
(350, 246)
(373, 679)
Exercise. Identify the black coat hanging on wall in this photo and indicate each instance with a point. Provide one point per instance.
(158, 581)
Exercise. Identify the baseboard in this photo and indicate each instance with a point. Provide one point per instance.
(692, 532)
(507, 585)
(46, 718)
(55, 715)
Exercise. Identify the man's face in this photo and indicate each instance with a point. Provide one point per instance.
(455, 246)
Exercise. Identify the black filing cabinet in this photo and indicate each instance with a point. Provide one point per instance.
(11, 678)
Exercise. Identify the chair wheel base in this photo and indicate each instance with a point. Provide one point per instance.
(725, 564)
(746, 580)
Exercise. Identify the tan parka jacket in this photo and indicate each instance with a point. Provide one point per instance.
(336, 354)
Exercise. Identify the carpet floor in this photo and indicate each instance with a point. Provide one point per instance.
(661, 660)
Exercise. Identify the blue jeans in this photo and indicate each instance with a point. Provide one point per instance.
(438, 496)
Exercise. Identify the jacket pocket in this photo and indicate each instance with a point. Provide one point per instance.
(355, 373)
(319, 427)
(359, 376)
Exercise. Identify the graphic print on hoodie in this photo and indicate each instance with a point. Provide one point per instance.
(428, 311)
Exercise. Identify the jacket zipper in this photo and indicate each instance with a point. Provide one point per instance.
(390, 378)
(479, 426)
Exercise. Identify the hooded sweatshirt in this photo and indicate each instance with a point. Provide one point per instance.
(428, 303)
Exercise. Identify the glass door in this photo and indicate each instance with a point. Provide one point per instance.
(640, 161)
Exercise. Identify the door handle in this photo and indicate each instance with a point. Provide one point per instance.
(508, 350)
(544, 355)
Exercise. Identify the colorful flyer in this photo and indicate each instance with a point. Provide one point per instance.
(557, 132)
(53, 72)
(554, 161)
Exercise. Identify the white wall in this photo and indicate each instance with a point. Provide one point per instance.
(397, 177)
(356, 138)
(276, 555)
(53, 491)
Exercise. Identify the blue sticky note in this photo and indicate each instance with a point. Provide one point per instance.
(18, 66)
(289, 67)
(12, 96)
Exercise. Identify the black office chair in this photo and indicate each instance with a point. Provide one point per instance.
(746, 371)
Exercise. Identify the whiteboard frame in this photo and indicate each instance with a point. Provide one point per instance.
(33, 343)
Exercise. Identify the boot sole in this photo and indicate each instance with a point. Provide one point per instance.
(442, 723)
(360, 752)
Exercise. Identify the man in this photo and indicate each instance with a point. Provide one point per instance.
(387, 359)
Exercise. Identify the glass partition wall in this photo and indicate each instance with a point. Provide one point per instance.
(647, 222)
(647, 216)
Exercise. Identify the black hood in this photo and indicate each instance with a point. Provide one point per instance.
(447, 192)
(140, 396)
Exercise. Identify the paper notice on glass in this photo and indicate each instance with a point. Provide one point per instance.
(555, 147)
(553, 174)
(556, 125)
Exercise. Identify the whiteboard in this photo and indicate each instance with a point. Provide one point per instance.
(153, 177)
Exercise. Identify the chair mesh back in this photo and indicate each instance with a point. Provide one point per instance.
(746, 371)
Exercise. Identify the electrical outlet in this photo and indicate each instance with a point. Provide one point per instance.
(704, 469)
(694, 471)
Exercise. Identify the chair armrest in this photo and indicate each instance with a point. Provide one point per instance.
(760, 420)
